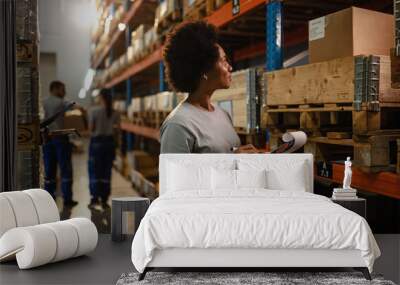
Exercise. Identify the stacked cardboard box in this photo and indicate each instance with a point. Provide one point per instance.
(350, 32)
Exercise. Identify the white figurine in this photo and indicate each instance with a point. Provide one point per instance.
(347, 174)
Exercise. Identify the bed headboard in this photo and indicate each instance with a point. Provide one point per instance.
(233, 158)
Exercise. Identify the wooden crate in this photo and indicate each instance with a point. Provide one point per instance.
(168, 13)
(219, 3)
(374, 152)
(197, 9)
(398, 156)
(241, 100)
(318, 120)
(376, 148)
(336, 81)
(140, 160)
(151, 41)
(395, 69)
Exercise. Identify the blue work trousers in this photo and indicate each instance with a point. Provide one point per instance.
(58, 151)
(101, 157)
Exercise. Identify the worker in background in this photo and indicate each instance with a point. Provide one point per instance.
(57, 150)
(195, 63)
(102, 120)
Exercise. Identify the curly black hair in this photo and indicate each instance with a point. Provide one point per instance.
(189, 52)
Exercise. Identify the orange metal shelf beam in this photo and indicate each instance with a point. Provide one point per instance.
(132, 11)
(384, 183)
(141, 130)
(151, 59)
(249, 52)
(223, 15)
(219, 18)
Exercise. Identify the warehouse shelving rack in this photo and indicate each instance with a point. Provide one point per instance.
(277, 38)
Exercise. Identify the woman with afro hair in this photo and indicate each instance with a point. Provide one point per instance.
(196, 64)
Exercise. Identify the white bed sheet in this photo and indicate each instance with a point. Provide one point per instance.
(252, 218)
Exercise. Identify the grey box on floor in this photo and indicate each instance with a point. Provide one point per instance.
(137, 205)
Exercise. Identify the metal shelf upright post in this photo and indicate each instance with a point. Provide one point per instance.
(162, 78)
(274, 37)
(396, 12)
(128, 32)
(161, 69)
(111, 55)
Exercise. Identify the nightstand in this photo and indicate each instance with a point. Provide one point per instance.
(358, 206)
(120, 206)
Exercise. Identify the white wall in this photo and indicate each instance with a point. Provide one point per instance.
(64, 27)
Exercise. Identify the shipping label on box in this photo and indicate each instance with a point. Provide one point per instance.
(316, 29)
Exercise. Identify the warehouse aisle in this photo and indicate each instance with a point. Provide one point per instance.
(120, 187)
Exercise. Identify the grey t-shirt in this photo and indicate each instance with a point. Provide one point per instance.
(103, 125)
(51, 105)
(189, 129)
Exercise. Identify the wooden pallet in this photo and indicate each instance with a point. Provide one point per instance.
(318, 120)
(219, 3)
(373, 152)
(342, 80)
(311, 107)
(198, 10)
(169, 20)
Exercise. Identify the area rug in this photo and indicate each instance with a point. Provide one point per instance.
(243, 278)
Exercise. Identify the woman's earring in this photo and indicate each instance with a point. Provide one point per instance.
(205, 77)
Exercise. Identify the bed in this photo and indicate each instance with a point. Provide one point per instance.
(246, 211)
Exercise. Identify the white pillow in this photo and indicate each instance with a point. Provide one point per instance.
(251, 178)
(292, 180)
(237, 179)
(223, 179)
(188, 177)
(280, 174)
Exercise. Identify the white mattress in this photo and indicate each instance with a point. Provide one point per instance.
(253, 218)
(255, 257)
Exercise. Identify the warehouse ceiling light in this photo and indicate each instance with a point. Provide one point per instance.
(89, 79)
(82, 93)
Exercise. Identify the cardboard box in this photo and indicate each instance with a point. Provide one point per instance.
(150, 103)
(75, 120)
(142, 161)
(350, 32)
(150, 37)
(165, 101)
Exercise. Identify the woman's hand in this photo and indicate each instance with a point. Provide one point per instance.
(248, 148)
